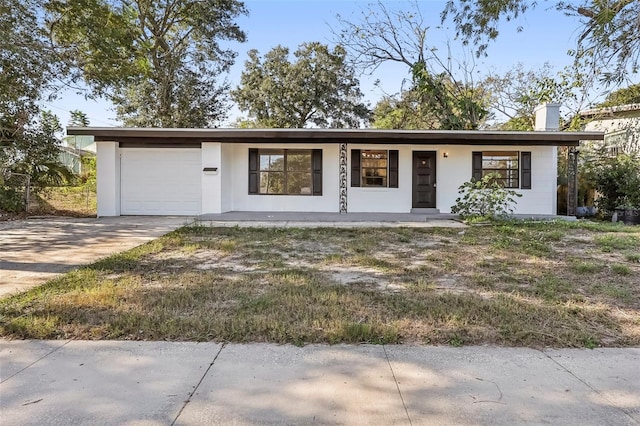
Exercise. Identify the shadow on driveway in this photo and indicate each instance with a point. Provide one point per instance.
(36, 250)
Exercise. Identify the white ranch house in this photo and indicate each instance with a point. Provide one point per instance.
(154, 171)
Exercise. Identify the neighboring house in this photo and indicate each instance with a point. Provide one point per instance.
(71, 159)
(621, 125)
(156, 171)
(72, 151)
(83, 143)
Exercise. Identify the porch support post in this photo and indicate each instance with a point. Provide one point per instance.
(572, 181)
(343, 178)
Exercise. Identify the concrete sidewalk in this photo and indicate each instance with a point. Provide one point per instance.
(159, 383)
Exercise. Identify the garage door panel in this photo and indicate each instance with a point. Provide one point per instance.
(161, 181)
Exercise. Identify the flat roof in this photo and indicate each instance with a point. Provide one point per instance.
(609, 111)
(174, 136)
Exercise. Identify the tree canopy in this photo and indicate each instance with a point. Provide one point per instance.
(28, 69)
(407, 110)
(27, 62)
(623, 96)
(445, 86)
(78, 119)
(158, 62)
(317, 88)
(516, 93)
(456, 104)
(384, 35)
(608, 38)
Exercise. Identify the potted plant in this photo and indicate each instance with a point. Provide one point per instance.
(628, 212)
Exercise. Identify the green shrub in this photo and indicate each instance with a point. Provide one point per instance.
(11, 200)
(485, 198)
(617, 180)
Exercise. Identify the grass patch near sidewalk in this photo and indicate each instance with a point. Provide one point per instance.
(513, 284)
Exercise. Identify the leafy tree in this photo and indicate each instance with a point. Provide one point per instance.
(404, 111)
(158, 62)
(617, 180)
(445, 87)
(516, 93)
(193, 102)
(457, 105)
(28, 65)
(624, 96)
(317, 88)
(78, 119)
(436, 101)
(34, 150)
(384, 35)
(608, 35)
(28, 70)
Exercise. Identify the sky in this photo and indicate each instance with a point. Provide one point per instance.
(547, 35)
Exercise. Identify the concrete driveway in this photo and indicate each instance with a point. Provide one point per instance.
(35, 250)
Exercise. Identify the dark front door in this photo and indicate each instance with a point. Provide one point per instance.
(424, 179)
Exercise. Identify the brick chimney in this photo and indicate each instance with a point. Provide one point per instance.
(547, 118)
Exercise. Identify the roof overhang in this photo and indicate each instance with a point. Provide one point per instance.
(176, 137)
(611, 111)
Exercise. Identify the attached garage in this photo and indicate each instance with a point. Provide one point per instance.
(160, 181)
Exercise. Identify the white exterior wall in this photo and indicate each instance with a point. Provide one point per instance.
(227, 166)
(613, 124)
(108, 178)
(452, 172)
(629, 122)
(212, 181)
(547, 117)
(386, 200)
(243, 201)
(217, 187)
(227, 190)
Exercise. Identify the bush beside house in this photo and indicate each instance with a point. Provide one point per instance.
(485, 199)
(617, 180)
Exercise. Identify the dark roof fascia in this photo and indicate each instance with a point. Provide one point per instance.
(285, 136)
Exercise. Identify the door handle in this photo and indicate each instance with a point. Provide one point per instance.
(434, 184)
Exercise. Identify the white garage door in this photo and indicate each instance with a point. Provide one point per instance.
(160, 181)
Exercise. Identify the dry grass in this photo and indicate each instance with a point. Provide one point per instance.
(71, 201)
(513, 284)
(74, 201)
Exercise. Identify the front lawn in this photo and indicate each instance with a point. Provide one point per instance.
(513, 284)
